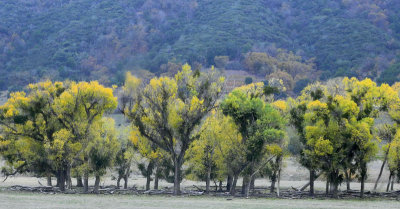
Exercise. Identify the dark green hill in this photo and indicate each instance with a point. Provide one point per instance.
(101, 39)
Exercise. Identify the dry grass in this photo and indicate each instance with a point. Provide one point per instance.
(33, 200)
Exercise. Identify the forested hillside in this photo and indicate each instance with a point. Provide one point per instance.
(102, 39)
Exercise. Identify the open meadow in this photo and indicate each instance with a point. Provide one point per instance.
(34, 200)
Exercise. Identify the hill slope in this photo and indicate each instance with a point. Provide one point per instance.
(101, 39)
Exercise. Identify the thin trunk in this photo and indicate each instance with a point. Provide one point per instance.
(252, 183)
(381, 171)
(148, 179)
(49, 180)
(177, 180)
(220, 186)
(229, 183)
(244, 185)
(233, 188)
(119, 182)
(335, 190)
(86, 182)
(208, 179)
(388, 184)
(156, 182)
(391, 187)
(79, 181)
(347, 175)
(96, 184)
(58, 179)
(156, 177)
(126, 182)
(312, 179)
(278, 189)
(363, 177)
(68, 177)
(273, 180)
(149, 171)
(327, 186)
(362, 186)
(62, 180)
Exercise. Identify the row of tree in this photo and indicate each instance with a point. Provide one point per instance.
(180, 127)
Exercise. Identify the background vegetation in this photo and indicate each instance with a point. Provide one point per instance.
(101, 39)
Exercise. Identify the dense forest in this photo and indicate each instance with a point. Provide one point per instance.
(102, 39)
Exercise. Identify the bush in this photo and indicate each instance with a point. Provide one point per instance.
(248, 80)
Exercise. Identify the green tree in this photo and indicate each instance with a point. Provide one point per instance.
(259, 124)
(206, 155)
(102, 148)
(28, 128)
(168, 110)
(124, 157)
(47, 128)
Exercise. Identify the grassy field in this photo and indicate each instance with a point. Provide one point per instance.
(33, 200)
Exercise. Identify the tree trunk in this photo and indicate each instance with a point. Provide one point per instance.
(312, 179)
(68, 177)
(245, 181)
(208, 179)
(148, 180)
(278, 189)
(309, 183)
(335, 190)
(229, 183)
(119, 182)
(381, 171)
(347, 176)
(252, 183)
(363, 176)
(149, 172)
(79, 181)
(156, 178)
(156, 182)
(273, 180)
(247, 189)
(49, 180)
(233, 188)
(96, 184)
(393, 178)
(388, 184)
(86, 182)
(362, 186)
(61, 180)
(177, 180)
(327, 186)
(220, 186)
(126, 182)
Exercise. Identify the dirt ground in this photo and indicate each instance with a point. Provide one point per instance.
(293, 175)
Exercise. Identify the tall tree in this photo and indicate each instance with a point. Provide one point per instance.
(168, 110)
(206, 156)
(259, 124)
(102, 148)
(54, 120)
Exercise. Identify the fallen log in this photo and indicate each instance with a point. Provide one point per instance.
(308, 184)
